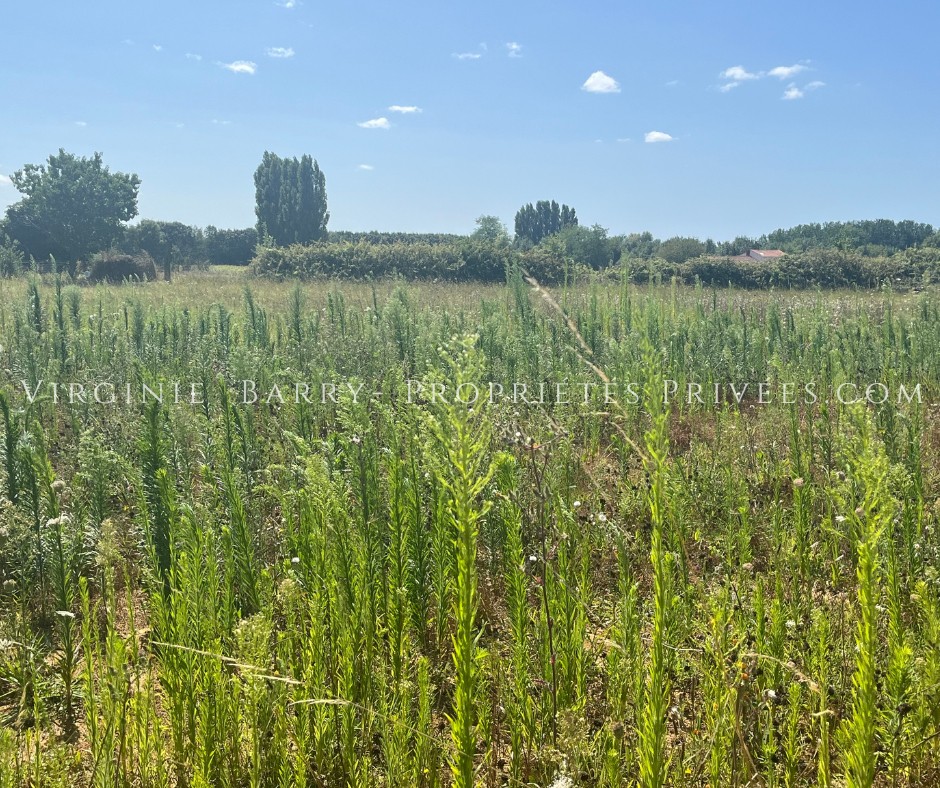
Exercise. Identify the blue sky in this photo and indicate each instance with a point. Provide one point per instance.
(834, 114)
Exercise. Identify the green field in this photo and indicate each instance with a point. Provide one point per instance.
(395, 590)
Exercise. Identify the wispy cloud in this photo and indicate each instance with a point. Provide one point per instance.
(728, 86)
(467, 55)
(280, 52)
(191, 56)
(80, 123)
(158, 47)
(287, 3)
(672, 83)
(217, 122)
(404, 110)
(5, 180)
(657, 136)
(739, 74)
(624, 139)
(375, 123)
(787, 72)
(514, 49)
(793, 92)
(241, 66)
(599, 82)
(365, 167)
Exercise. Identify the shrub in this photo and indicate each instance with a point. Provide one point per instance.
(117, 267)
(11, 257)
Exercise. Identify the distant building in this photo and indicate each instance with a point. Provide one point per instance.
(764, 254)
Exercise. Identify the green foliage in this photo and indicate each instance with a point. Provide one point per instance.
(71, 207)
(678, 250)
(168, 243)
(491, 230)
(12, 261)
(535, 222)
(290, 200)
(468, 260)
(117, 267)
(229, 247)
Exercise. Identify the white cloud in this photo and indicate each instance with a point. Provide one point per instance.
(191, 56)
(467, 55)
(739, 74)
(815, 85)
(792, 92)
(672, 83)
(241, 66)
(80, 123)
(728, 86)
(406, 110)
(365, 167)
(657, 136)
(599, 82)
(280, 52)
(217, 122)
(375, 123)
(623, 139)
(786, 72)
(6, 180)
(287, 3)
(514, 49)
(157, 47)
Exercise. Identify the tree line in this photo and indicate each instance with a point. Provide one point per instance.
(74, 208)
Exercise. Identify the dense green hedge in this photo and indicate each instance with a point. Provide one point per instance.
(460, 261)
(826, 268)
(474, 260)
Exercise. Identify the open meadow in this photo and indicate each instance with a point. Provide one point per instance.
(347, 549)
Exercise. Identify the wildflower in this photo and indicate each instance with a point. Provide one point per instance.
(58, 485)
(791, 624)
(770, 695)
(840, 518)
(295, 560)
(576, 505)
(65, 613)
(798, 482)
(748, 567)
(602, 518)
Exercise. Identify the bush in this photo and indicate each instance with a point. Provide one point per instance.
(118, 267)
(11, 257)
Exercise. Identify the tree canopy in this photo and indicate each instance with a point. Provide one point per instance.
(535, 222)
(71, 208)
(290, 200)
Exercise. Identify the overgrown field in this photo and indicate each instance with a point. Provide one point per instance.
(414, 591)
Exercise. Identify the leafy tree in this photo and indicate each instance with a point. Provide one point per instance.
(290, 200)
(230, 247)
(71, 207)
(590, 246)
(168, 243)
(641, 245)
(678, 250)
(490, 229)
(535, 222)
(740, 245)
